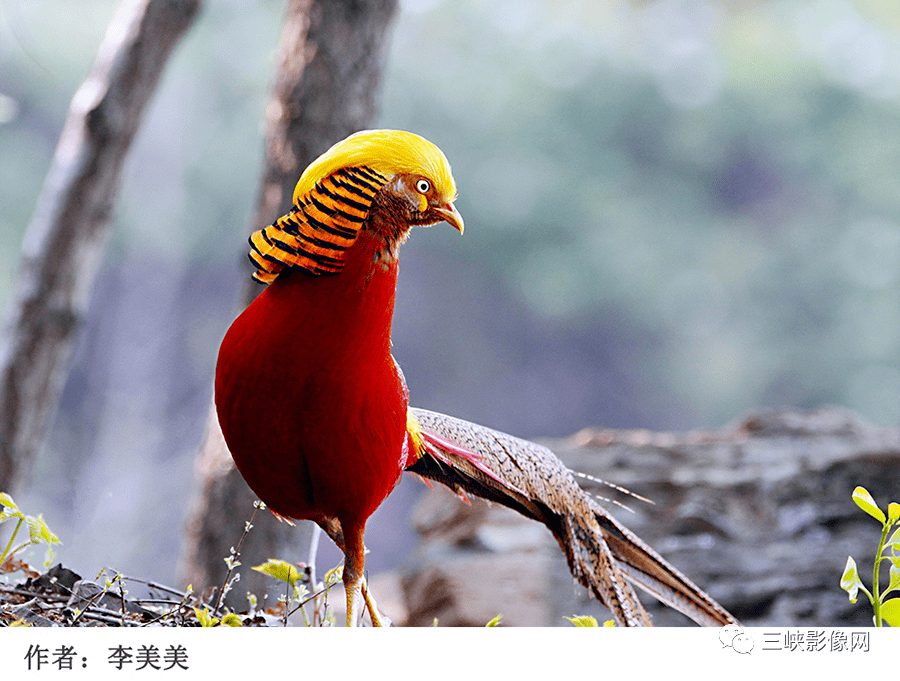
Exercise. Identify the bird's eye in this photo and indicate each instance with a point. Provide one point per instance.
(422, 186)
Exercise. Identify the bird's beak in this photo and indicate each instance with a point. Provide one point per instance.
(450, 214)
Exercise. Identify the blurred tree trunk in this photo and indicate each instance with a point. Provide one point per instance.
(64, 242)
(330, 62)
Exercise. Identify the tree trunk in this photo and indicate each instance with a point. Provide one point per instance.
(64, 242)
(330, 63)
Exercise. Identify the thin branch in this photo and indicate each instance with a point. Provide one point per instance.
(235, 554)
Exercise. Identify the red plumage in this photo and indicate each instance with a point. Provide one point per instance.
(310, 401)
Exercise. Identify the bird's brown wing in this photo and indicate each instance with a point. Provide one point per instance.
(530, 479)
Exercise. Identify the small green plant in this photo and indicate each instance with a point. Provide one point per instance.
(232, 562)
(886, 610)
(298, 595)
(583, 621)
(588, 621)
(493, 623)
(38, 532)
(207, 620)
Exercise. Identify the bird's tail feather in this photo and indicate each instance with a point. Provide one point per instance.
(530, 479)
(659, 578)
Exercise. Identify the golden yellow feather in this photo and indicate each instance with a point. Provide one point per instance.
(389, 152)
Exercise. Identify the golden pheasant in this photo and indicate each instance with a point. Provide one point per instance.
(315, 411)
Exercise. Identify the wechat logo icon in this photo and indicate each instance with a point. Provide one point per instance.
(732, 636)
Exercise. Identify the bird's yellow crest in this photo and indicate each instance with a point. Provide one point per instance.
(388, 152)
(333, 198)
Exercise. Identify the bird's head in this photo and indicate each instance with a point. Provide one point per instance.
(419, 180)
(382, 182)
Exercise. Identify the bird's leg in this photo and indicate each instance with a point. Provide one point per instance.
(349, 539)
(358, 592)
(354, 564)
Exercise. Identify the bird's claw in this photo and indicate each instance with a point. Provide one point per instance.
(379, 619)
(357, 595)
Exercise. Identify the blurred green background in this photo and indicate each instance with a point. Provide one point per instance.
(677, 212)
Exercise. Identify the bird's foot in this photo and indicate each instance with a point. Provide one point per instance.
(378, 618)
(357, 594)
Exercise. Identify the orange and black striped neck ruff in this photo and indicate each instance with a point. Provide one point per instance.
(320, 227)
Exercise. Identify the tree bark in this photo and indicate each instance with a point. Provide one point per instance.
(64, 242)
(330, 62)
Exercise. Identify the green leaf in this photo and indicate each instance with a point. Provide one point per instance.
(7, 501)
(850, 579)
(38, 531)
(894, 540)
(231, 620)
(279, 569)
(609, 623)
(890, 612)
(893, 512)
(334, 575)
(48, 561)
(583, 621)
(865, 501)
(494, 622)
(895, 579)
(10, 512)
(45, 532)
(34, 529)
(206, 620)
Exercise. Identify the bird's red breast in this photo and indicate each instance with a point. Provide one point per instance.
(311, 403)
